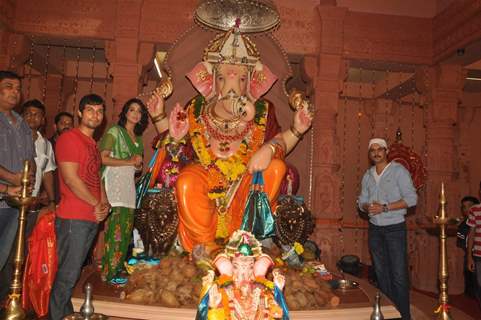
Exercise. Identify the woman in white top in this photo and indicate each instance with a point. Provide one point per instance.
(121, 149)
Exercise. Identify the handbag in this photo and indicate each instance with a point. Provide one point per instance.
(258, 218)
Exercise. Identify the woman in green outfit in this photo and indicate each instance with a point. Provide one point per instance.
(121, 149)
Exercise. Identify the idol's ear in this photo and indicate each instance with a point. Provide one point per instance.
(223, 264)
(261, 81)
(262, 265)
(202, 79)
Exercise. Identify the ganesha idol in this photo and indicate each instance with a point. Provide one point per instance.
(242, 290)
(211, 147)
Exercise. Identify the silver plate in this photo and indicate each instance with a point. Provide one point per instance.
(255, 16)
(343, 284)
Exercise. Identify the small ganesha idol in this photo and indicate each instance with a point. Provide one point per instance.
(241, 291)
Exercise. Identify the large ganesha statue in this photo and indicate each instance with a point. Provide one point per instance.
(211, 147)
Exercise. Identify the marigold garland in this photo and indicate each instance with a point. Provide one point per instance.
(223, 172)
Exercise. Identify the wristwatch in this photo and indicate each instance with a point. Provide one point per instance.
(385, 208)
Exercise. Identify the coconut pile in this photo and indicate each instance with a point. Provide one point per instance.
(176, 283)
(307, 291)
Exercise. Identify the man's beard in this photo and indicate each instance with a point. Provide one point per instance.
(91, 125)
(62, 131)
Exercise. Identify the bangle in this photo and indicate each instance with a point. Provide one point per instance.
(273, 148)
(158, 120)
(296, 133)
(159, 117)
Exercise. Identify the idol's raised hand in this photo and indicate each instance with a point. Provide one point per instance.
(178, 123)
(303, 118)
(155, 105)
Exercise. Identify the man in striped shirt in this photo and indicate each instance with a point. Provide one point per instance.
(474, 243)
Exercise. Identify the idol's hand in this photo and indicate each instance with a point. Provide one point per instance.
(260, 159)
(303, 118)
(247, 111)
(178, 123)
(208, 279)
(279, 279)
(215, 298)
(156, 105)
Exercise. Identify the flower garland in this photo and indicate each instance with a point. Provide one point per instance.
(223, 172)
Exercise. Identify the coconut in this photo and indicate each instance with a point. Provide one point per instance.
(168, 299)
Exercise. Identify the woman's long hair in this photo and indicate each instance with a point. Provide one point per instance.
(144, 120)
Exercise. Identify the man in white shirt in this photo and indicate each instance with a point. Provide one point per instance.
(33, 112)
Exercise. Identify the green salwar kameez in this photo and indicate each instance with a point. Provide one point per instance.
(119, 224)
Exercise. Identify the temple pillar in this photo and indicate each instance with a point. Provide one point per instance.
(442, 87)
(466, 118)
(126, 54)
(51, 101)
(327, 70)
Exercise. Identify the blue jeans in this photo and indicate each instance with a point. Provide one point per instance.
(6, 274)
(74, 238)
(388, 246)
(477, 272)
(8, 232)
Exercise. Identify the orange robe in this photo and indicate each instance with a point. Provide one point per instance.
(198, 214)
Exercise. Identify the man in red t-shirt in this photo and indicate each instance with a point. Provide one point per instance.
(83, 202)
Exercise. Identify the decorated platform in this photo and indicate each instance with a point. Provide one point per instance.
(354, 303)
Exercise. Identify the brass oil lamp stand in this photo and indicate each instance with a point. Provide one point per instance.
(13, 309)
(442, 311)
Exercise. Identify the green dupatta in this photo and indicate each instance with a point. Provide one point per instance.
(118, 141)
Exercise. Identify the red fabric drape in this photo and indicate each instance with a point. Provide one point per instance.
(41, 265)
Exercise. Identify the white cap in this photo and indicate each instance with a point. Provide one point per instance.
(379, 141)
